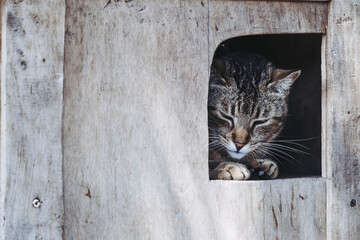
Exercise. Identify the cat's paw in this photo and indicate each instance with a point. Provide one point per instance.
(230, 171)
(267, 168)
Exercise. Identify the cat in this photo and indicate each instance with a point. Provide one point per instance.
(247, 108)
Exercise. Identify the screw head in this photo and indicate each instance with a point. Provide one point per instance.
(36, 202)
(352, 203)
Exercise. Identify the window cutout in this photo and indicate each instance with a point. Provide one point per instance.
(299, 151)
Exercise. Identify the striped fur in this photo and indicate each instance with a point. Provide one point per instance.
(247, 106)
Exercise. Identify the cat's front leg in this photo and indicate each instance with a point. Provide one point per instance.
(230, 171)
(266, 168)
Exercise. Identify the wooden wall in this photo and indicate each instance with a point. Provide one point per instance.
(121, 151)
(31, 110)
(342, 120)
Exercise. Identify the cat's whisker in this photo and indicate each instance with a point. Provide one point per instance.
(253, 155)
(212, 144)
(268, 153)
(215, 145)
(215, 150)
(286, 159)
(215, 136)
(292, 150)
(219, 149)
(221, 137)
(279, 146)
(297, 140)
(280, 151)
(272, 157)
(260, 154)
(277, 153)
(294, 143)
(260, 150)
(283, 157)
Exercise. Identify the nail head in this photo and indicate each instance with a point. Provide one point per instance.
(36, 203)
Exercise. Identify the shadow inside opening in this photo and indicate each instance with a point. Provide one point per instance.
(302, 129)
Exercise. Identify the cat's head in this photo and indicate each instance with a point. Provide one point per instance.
(247, 103)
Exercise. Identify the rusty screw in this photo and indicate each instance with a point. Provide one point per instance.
(36, 203)
(352, 203)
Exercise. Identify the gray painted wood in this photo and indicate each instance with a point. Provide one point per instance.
(31, 107)
(342, 120)
(230, 19)
(135, 126)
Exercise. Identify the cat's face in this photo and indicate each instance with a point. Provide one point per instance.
(243, 117)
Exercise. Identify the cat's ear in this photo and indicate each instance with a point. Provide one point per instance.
(217, 72)
(219, 67)
(282, 80)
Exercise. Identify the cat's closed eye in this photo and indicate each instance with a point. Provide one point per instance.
(226, 118)
(258, 122)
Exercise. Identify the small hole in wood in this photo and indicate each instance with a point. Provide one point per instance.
(36, 203)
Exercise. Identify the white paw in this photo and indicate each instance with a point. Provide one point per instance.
(269, 167)
(230, 171)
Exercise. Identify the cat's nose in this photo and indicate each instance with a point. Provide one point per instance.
(239, 145)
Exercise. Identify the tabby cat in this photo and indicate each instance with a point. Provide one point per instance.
(247, 109)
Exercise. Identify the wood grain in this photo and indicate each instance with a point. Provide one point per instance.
(342, 120)
(131, 100)
(31, 107)
(228, 19)
(135, 123)
(135, 129)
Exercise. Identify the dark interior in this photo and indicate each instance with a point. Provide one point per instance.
(303, 126)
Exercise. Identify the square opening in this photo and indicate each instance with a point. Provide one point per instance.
(300, 152)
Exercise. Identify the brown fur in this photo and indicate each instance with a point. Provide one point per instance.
(247, 108)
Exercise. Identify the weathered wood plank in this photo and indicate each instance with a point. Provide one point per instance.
(279, 209)
(131, 99)
(31, 107)
(230, 19)
(342, 120)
